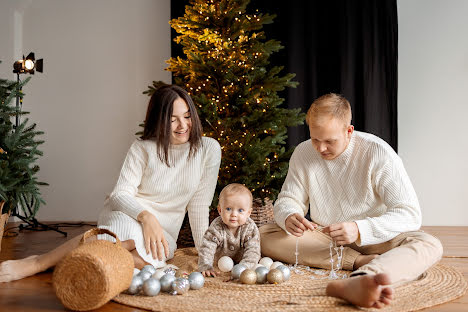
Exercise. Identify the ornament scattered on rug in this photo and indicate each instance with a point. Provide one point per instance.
(151, 287)
(166, 282)
(261, 273)
(135, 285)
(158, 274)
(181, 273)
(266, 262)
(225, 264)
(149, 268)
(275, 264)
(286, 272)
(196, 280)
(180, 286)
(248, 277)
(237, 270)
(275, 276)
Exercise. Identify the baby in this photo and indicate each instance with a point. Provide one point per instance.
(233, 233)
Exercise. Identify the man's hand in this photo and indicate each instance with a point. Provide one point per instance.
(343, 233)
(297, 225)
(155, 242)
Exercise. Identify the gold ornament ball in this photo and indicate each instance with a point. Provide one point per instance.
(275, 276)
(248, 277)
(182, 274)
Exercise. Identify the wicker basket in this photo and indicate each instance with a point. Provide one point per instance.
(93, 273)
(3, 221)
(261, 215)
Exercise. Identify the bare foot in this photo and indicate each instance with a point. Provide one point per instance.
(13, 270)
(362, 260)
(365, 290)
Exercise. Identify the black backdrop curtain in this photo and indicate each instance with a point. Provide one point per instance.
(342, 46)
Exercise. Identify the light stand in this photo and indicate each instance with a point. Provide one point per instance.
(27, 66)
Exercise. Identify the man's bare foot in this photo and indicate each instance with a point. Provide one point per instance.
(362, 260)
(366, 291)
(13, 270)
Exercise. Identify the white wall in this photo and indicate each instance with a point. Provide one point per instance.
(99, 56)
(433, 105)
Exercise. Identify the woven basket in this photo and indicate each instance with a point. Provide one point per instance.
(261, 214)
(3, 221)
(93, 273)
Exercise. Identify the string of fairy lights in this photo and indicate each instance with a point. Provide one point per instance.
(223, 72)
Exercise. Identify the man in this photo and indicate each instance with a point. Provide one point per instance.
(354, 185)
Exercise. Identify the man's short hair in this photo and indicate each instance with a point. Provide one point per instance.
(331, 104)
(234, 188)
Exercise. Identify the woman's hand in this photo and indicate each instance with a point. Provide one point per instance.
(153, 235)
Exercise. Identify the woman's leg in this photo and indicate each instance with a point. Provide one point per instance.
(12, 270)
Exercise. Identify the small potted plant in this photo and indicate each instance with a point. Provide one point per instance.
(19, 187)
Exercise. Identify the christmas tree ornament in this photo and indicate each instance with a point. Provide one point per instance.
(257, 266)
(225, 264)
(196, 280)
(275, 276)
(180, 286)
(135, 271)
(275, 264)
(286, 272)
(180, 273)
(166, 282)
(248, 277)
(144, 275)
(261, 274)
(266, 262)
(135, 285)
(151, 287)
(158, 274)
(237, 270)
(149, 268)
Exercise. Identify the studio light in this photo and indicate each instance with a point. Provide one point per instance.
(28, 65)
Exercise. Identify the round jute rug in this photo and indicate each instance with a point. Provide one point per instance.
(303, 292)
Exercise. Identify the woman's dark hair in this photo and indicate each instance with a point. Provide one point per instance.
(158, 120)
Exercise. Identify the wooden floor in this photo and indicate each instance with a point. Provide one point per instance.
(36, 293)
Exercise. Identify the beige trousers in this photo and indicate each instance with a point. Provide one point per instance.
(404, 258)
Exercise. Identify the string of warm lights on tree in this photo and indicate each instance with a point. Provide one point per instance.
(227, 72)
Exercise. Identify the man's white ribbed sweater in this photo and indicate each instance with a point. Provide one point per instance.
(147, 183)
(367, 184)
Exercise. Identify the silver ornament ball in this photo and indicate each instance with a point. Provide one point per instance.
(151, 287)
(196, 280)
(261, 274)
(286, 272)
(166, 282)
(237, 270)
(144, 274)
(149, 268)
(180, 286)
(135, 285)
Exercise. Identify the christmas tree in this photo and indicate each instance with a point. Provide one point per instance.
(227, 72)
(19, 187)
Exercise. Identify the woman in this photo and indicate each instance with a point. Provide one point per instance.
(171, 169)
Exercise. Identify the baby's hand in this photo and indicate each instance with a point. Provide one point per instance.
(209, 273)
